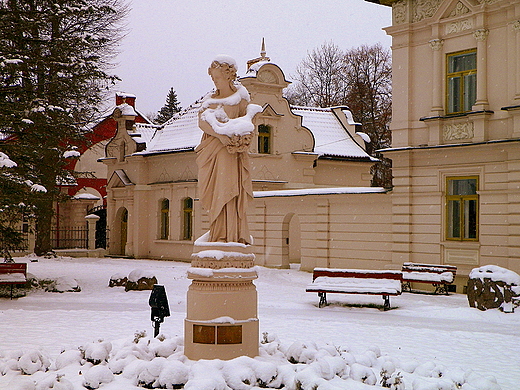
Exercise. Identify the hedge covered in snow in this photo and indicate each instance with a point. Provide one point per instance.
(159, 363)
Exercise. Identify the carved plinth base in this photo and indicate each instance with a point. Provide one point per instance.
(222, 315)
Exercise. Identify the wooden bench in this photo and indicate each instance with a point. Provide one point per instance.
(13, 274)
(440, 276)
(355, 281)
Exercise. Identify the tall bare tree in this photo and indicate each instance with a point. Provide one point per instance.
(55, 62)
(359, 78)
(368, 73)
(320, 80)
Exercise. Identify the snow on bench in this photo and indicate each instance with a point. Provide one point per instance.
(355, 281)
(440, 276)
(13, 273)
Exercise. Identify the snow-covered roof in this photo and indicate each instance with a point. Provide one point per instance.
(331, 138)
(182, 132)
(253, 69)
(179, 133)
(319, 191)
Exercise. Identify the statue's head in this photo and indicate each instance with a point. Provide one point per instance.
(223, 72)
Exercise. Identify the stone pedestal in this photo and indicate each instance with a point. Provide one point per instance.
(222, 304)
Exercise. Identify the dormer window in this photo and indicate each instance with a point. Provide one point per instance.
(264, 139)
(461, 81)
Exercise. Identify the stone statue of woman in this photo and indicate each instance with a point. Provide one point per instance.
(225, 186)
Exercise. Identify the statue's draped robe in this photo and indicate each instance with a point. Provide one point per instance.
(225, 186)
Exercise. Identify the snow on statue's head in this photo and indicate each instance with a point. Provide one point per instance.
(224, 68)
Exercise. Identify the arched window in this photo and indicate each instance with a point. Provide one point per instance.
(264, 139)
(187, 219)
(164, 219)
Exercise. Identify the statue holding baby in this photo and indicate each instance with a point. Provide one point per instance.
(225, 186)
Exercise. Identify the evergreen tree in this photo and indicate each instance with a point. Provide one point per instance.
(14, 208)
(54, 71)
(171, 107)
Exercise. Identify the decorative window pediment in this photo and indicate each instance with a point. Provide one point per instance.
(119, 178)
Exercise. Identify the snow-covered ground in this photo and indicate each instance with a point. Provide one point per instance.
(432, 342)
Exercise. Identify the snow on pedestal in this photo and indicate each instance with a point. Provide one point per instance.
(222, 314)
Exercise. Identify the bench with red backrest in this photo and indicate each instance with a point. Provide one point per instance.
(355, 281)
(13, 274)
(438, 275)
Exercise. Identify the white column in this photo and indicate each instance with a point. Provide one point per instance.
(91, 229)
(482, 101)
(437, 82)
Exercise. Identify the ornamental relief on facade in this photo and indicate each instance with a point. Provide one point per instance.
(399, 11)
(458, 26)
(423, 9)
(268, 77)
(487, 1)
(460, 9)
(458, 131)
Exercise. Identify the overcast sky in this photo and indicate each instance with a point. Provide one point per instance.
(171, 43)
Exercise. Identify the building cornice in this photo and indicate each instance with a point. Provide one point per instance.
(424, 147)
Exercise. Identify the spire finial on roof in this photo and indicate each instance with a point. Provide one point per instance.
(261, 58)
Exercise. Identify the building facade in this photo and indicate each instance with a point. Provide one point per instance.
(456, 132)
(311, 178)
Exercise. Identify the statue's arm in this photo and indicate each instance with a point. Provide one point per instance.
(243, 107)
(206, 128)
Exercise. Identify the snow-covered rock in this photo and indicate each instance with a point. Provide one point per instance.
(140, 280)
(64, 284)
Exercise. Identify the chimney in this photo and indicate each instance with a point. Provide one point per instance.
(128, 98)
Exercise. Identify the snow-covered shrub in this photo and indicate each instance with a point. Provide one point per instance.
(300, 352)
(67, 358)
(239, 374)
(162, 347)
(54, 382)
(265, 372)
(362, 373)
(206, 375)
(475, 381)
(33, 361)
(22, 383)
(429, 369)
(173, 374)
(96, 352)
(95, 376)
(368, 358)
(421, 383)
(307, 379)
(149, 373)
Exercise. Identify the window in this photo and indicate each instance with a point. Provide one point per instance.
(187, 225)
(165, 219)
(264, 139)
(462, 208)
(461, 81)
